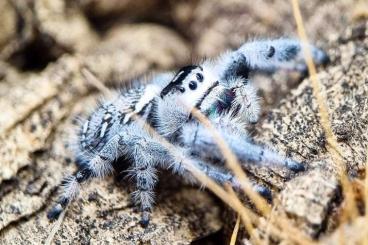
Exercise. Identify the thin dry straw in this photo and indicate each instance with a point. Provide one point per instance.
(233, 163)
(341, 230)
(95, 82)
(249, 228)
(232, 201)
(234, 166)
(234, 235)
(56, 227)
(294, 234)
(332, 144)
(270, 220)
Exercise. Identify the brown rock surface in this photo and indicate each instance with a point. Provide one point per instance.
(7, 23)
(123, 8)
(310, 199)
(216, 25)
(43, 31)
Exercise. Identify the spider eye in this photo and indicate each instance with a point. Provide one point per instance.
(192, 85)
(199, 77)
(182, 90)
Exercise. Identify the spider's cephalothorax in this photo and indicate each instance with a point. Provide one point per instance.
(220, 89)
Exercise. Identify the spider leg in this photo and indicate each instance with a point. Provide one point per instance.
(265, 56)
(200, 141)
(145, 153)
(219, 175)
(145, 178)
(98, 166)
(144, 175)
(148, 152)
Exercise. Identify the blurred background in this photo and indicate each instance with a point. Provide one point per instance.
(36, 33)
(168, 33)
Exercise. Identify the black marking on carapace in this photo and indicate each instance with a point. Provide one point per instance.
(235, 112)
(178, 79)
(199, 103)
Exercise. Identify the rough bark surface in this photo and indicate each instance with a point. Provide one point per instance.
(46, 44)
(311, 200)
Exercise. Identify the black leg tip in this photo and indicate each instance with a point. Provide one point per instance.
(295, 166)
(144, 223)
(321, 57)
(253, 122)
(325, 59)
(81, 163)
(55, 212)
(145, 219)
(302, 69)
(265, 193)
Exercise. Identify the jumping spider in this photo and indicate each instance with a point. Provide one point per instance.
(218, 88)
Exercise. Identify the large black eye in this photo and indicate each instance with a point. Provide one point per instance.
(199, 77)
(192, 85)
(181, 89)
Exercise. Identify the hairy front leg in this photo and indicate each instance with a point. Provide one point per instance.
(265, 56)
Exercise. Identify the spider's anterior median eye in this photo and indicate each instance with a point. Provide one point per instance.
(199, 77)
(192, 85)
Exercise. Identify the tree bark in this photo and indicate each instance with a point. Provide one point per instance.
(312, 200)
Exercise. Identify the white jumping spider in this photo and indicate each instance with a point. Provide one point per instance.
(219, 88)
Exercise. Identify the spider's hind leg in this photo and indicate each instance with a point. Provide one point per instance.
(71, 187)
(145, 153)
(99, 165)
(145, 178)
